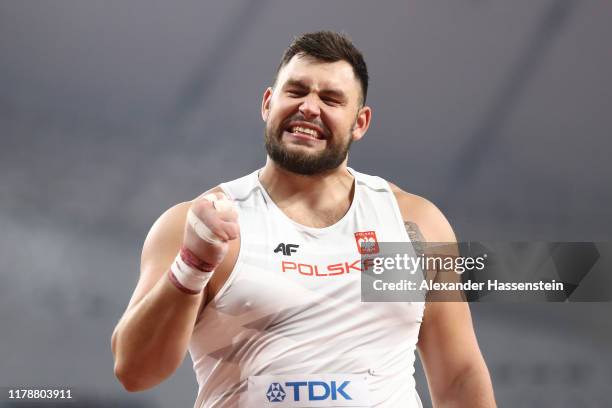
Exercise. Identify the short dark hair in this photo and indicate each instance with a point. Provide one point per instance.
(328, 46)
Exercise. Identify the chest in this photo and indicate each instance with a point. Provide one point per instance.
(303, 215)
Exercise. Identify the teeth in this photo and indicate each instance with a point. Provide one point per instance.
(304, 130)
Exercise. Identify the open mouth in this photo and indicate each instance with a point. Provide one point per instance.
(305, 131)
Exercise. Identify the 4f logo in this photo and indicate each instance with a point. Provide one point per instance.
(366, 242)
(286, 249)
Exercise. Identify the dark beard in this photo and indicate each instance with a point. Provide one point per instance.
(305, 164)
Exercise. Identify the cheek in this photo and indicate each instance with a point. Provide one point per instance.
(338, 125)
(279, 111)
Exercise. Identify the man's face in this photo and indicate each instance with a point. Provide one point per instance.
(313, 115)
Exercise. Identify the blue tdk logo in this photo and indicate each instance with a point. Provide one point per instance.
(275, 393)
(317, 390)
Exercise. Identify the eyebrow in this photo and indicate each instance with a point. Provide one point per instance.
(296, 83)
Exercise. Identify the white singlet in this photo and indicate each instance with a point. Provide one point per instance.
(289, 322)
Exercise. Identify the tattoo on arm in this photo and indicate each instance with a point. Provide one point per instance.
(418, 243)
(415, 235)
(416, 239)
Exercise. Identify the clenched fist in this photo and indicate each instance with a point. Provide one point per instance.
(212, 221)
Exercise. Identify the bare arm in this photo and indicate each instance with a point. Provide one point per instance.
(150, 341)
(456, 371)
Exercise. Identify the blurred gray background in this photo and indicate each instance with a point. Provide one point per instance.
(111, 112)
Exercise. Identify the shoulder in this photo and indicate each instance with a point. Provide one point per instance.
(422, 216)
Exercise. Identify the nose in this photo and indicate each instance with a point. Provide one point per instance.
(309, 107)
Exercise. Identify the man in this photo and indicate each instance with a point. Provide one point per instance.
(259, 277)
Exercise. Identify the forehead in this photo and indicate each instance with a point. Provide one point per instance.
(320, 74)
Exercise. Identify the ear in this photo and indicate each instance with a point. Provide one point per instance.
(265, 103)
(362, 123)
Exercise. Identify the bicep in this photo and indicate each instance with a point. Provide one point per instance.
(159, 250)
(447, 343)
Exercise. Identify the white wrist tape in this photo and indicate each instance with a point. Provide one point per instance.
(201, 229)
(188, 277)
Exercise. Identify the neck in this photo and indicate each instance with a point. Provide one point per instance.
(328, 193)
